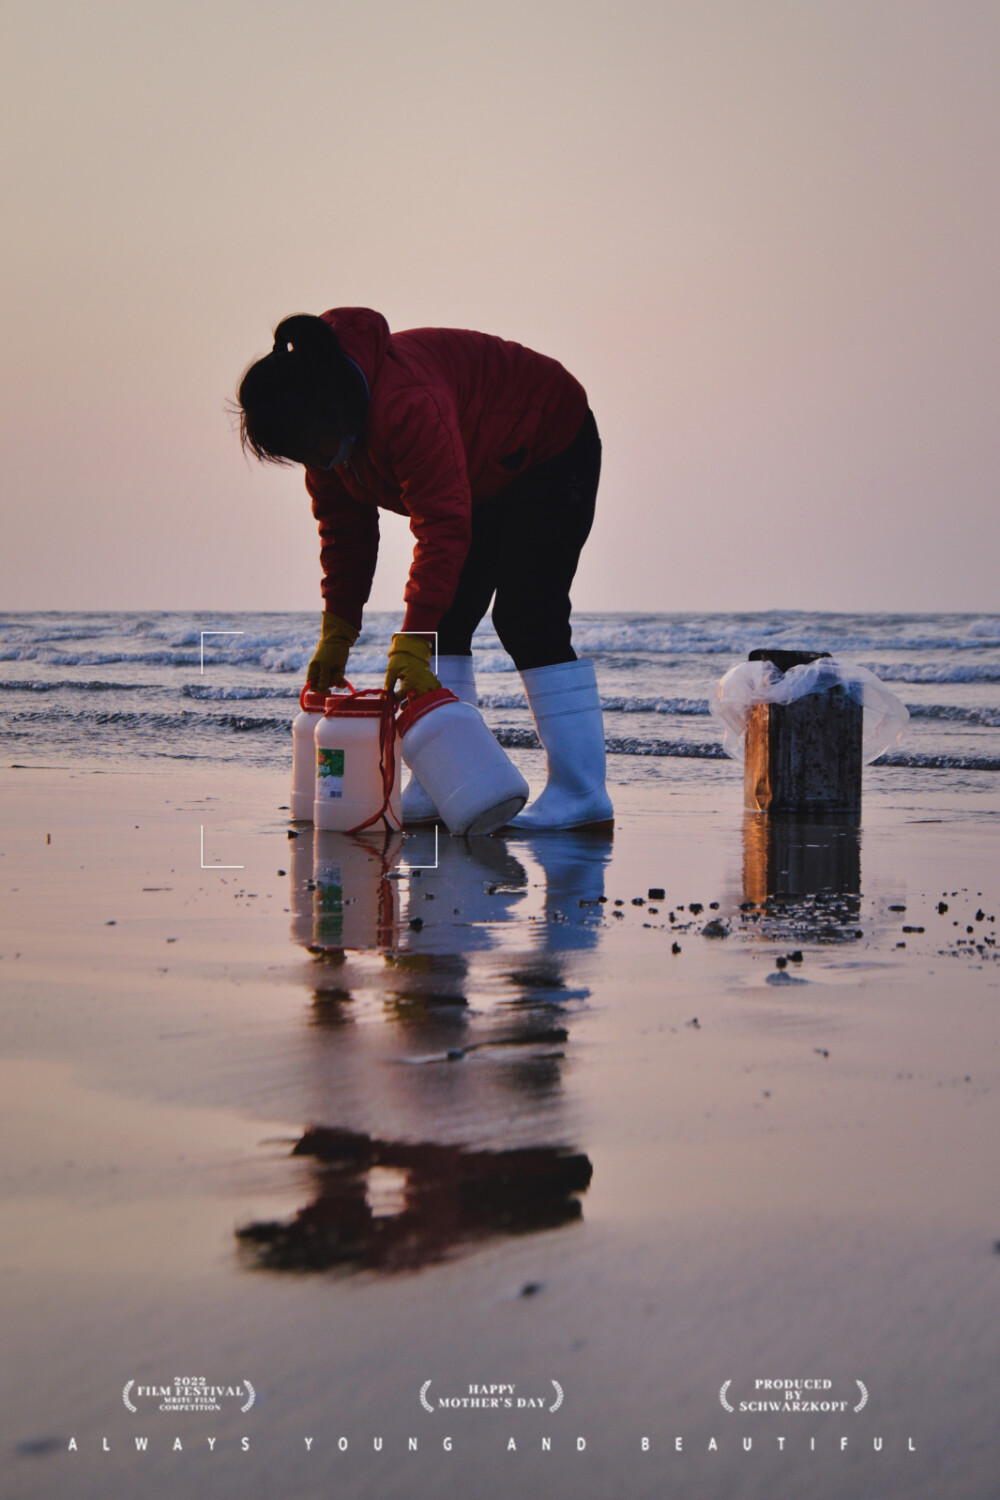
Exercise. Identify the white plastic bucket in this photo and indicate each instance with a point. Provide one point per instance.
(448, 746)
(356, 765)
(311, 707)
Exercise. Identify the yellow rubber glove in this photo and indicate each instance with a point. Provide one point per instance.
(326, 669)
(409, 666)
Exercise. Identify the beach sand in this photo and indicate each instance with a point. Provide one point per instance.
(494, 1131)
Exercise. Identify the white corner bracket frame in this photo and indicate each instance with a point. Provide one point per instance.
(214, 867)
(215, 632)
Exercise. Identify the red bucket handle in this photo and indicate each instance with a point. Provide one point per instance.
(308, 688)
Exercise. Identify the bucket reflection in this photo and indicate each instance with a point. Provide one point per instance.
(354, 904)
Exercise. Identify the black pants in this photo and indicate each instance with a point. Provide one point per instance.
(525, 547)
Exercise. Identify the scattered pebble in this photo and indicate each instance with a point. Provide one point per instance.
(416, 923)
(531, 1289)
(694, 907)
(656, 893)
(675, 947)
(282, 872)
(781, 963)
(715, 929)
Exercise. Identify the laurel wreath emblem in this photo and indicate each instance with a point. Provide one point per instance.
(722, 1395)
(125, 1390)
(423, 1397)
(864, 1394)
(252, 1397)
(559, 1397)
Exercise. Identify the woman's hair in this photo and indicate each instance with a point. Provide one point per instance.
(303, 390)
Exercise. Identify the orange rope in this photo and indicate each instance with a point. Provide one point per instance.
(387, 765)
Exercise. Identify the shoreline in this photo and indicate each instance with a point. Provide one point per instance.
(787, 1168)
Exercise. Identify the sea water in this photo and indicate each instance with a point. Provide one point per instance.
(134, 687)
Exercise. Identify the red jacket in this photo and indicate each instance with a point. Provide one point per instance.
(453, 417)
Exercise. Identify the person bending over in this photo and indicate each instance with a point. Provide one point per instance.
(492, 453)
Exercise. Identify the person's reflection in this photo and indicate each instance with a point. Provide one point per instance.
(805, 874)
(574, 864)
(393, 1206)
(477, 945)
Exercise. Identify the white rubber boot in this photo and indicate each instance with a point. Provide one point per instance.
(566, 708)
(458, 674)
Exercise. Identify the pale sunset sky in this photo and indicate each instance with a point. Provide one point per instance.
(765, 236)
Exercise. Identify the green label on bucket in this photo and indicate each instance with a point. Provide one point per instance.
(329, 772)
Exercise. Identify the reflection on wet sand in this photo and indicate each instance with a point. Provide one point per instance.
(454, 921)
(394, 1206)
(803, 878)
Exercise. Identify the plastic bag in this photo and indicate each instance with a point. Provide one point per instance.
(750, 682)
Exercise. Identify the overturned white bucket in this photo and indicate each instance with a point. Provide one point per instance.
(449, 748)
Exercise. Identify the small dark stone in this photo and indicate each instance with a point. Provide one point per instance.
(796, 957)
(675, 947)
(781, 963)
(713, 906)
(980, 915)
(113, 923)
(622, 903)
(282, 872)
(715, 929)
(531, 1289)
(638, 900)
(656, 893)
(942, 907)
(897, 908)
(694, 907)
(695, 1023)
(416, 923)
(918, 929)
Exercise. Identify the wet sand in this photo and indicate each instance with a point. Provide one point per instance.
(323, 1129)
